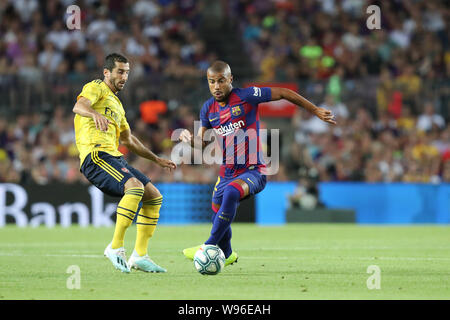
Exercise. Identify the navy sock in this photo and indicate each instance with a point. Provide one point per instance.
(225, 242)
(224, 217)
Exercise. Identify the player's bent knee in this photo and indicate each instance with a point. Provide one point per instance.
(151, 192)
(234, 185)
(133, 183)
(233, 191)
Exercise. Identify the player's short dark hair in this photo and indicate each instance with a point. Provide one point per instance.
(110, 60)
(219, 66)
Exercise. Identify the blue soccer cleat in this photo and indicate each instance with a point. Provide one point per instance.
(144, 263)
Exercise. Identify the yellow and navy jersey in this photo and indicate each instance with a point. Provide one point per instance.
(88, 137)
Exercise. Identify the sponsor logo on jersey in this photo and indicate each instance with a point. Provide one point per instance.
(225, 130)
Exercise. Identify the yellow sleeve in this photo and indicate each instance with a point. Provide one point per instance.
(124, 124)
(91, 91)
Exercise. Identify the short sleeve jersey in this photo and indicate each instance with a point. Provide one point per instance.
(88, 137)
(237, 126)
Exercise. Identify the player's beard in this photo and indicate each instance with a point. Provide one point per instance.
(224, 97)
(117, 85)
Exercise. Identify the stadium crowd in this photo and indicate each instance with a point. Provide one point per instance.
(157, 37)
(405, 137)
(311, 39)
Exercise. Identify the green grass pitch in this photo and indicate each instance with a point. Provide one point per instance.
(295, 261)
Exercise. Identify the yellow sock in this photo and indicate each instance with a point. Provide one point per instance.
(126, 210)
(146, 222)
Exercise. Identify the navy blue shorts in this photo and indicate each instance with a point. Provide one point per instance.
(255, 180)
(109, 173)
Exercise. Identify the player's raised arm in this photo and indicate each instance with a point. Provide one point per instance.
(83, 108)
(136, 146)
(292, 96)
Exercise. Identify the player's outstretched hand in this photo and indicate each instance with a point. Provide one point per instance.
(101, 122)
(165, 163)
(325, 115)
(185, 136)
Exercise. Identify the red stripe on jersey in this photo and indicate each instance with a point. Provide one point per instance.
(233, 99)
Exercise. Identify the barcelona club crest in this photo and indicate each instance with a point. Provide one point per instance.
(236, 111)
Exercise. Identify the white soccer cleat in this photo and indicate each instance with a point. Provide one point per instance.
(144, 263)
(117, 257)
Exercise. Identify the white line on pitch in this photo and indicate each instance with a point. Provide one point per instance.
(274, 257)
(97, 256)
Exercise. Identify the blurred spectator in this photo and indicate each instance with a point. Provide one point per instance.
(25, 8)
(409, 84)
(100, 28)
(305, 195)
(29, 71)
(352, 39)
(429, 119)
(406, 122)
(49, 59)
(59, 36)
(146, 9)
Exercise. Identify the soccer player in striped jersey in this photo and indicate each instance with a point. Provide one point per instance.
(233, 115)
(100, 124)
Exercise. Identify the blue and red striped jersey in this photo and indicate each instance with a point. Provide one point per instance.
(237, 128)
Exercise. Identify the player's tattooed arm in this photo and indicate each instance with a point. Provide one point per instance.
(292, 96)
(136, 146)
(84, 109)
(193, 141)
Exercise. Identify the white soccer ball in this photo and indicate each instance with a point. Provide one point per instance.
(209, 259)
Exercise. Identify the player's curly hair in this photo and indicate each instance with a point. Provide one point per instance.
(110, 60)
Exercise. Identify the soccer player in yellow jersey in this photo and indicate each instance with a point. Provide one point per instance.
(100, 124)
